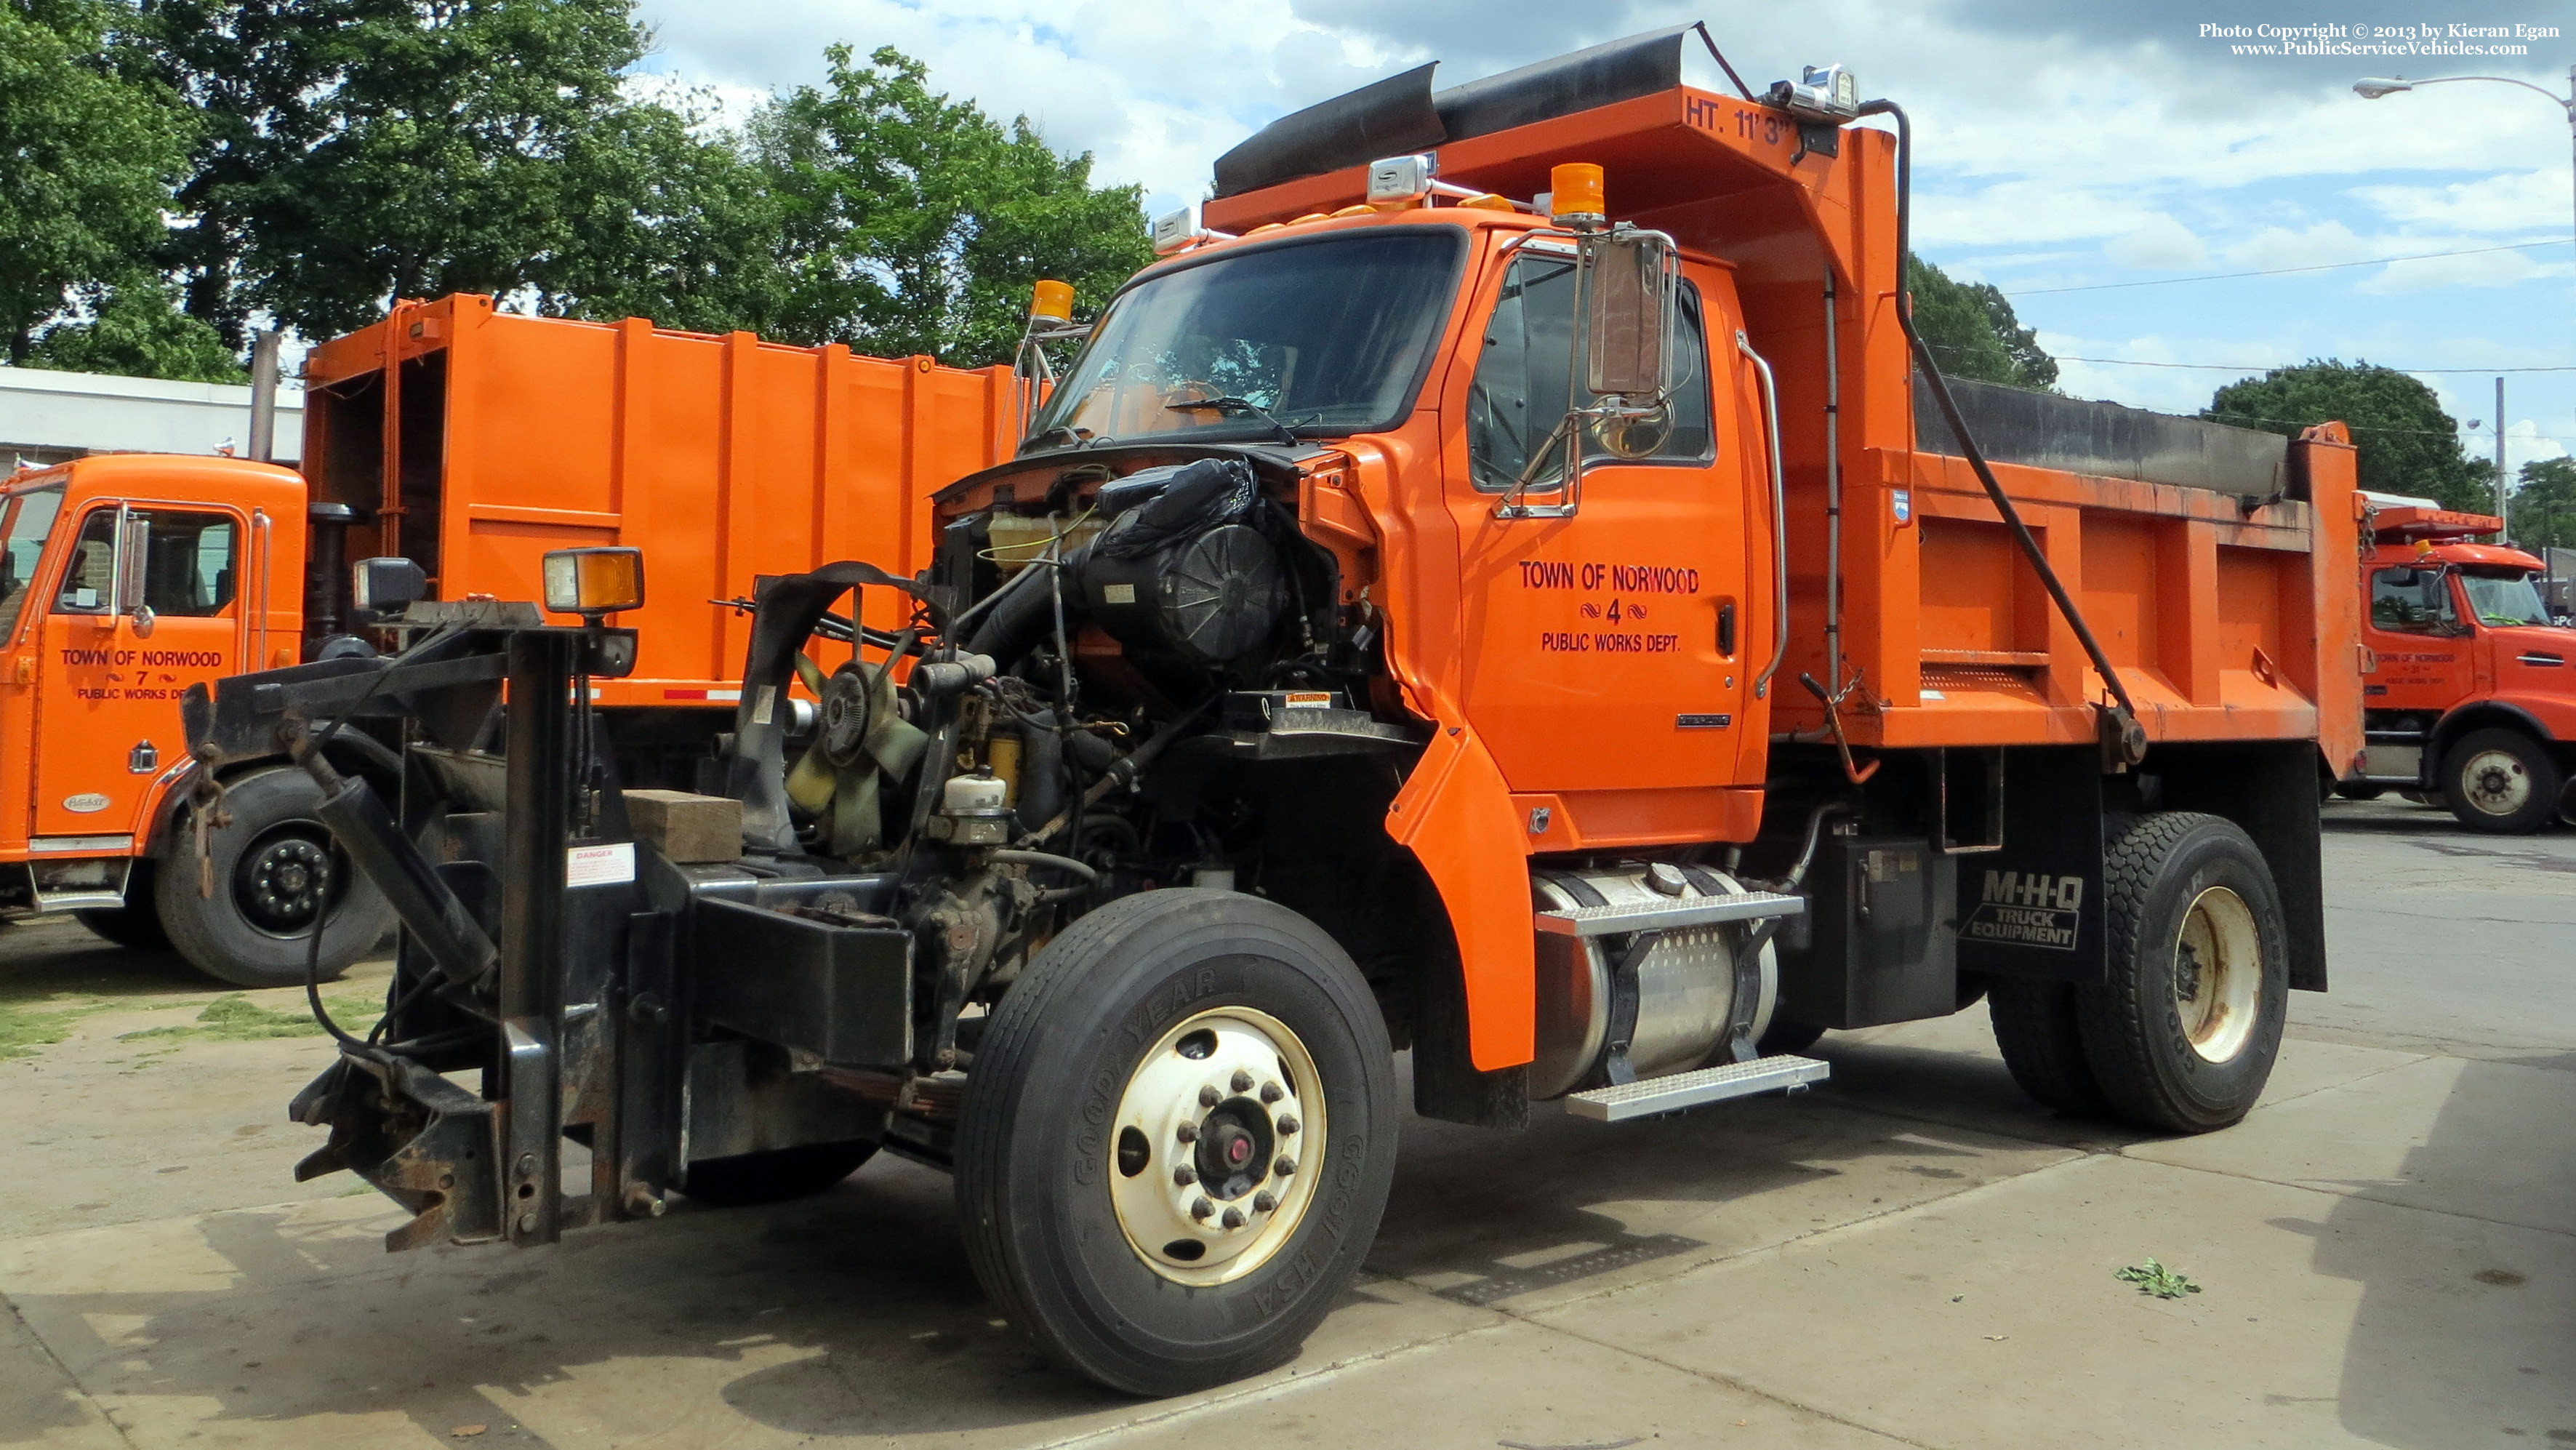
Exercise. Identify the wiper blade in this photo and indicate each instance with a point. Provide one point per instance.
(1287, 434)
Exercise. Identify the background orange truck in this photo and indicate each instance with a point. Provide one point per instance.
(469, 441)
(2466, 684)
(1506, 584)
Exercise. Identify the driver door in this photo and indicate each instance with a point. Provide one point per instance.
(107, 713)
(2423, 649)
(1612, 651)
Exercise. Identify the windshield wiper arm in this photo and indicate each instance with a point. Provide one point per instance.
(1287, 434)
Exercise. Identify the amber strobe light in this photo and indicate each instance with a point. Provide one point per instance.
(1574, 195)
(1052, 302)
(593, 582)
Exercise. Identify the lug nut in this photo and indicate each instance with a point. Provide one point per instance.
(1242, 1081)
(1233, 1218)
(1271, 1092)
(1201, 1208)
(1285, 1167)
(1264, 1201)
(1189, 1133)
(1209, 1097)
(1185, 1175)
(1287, 1124)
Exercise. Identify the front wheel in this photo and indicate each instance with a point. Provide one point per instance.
(275, 875)
(2501, 782)
(2184, 1034)
(1178, 1138)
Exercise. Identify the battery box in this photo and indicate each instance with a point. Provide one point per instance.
(1882, 935)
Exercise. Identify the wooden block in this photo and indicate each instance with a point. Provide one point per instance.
(687, 827)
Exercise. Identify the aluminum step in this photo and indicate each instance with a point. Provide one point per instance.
(1668, 912)
(1696, 1089)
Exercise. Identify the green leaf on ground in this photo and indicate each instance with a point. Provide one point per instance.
(2154, 1278)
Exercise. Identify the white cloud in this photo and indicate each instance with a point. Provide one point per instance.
(2512, 202)
(2161, 242)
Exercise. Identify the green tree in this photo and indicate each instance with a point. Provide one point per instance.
(1973, 333)
(356, 151)
(2406, 443)
(2544, 504)
(87, 156)
(136, 329)
(911, 223)
(669, 224)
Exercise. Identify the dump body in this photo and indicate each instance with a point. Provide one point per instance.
(723, 457)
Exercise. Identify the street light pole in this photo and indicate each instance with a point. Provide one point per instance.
(2373, 87)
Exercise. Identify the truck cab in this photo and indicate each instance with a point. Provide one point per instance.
(2465, 683)
(126, 579)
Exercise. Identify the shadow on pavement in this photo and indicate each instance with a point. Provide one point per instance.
(42, 960)
(2459, 1318)
(856, 1312)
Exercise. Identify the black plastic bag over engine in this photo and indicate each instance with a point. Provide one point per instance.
(1200, 496)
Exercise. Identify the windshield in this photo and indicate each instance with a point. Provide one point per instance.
(2503, 597)
(25, 518)
(1329, 337)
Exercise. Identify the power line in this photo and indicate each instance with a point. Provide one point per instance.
(2124, 362)
(2285, 271)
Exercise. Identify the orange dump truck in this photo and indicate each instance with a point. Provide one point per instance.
(2465, 680)
(469, 441)
(1505, 583)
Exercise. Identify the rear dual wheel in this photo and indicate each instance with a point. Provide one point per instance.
(2184, 1034)
(1177, 1139)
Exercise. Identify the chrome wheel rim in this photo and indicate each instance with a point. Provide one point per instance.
(2496, 783)
(2218, 974)
(1218, 1146)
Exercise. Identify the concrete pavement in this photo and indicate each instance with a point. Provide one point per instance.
(1913, 1254)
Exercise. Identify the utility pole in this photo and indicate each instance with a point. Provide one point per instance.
(2503, 502)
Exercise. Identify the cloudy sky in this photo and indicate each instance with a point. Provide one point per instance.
(2064, 146)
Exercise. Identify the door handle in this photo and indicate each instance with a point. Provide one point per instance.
(1726, 629)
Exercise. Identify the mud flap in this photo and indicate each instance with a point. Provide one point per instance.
(2034, 907)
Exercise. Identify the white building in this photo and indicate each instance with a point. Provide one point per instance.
(46, 417)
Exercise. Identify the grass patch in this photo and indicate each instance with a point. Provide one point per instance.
(25, 1027)
(238, 1019)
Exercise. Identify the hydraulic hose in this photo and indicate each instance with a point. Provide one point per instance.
(2132, 741)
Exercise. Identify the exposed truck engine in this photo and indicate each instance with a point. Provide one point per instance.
(1504, 602)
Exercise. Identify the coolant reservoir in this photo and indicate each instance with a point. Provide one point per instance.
(974, 795)
(1018, 540)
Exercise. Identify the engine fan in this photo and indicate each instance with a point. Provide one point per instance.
(860, 742)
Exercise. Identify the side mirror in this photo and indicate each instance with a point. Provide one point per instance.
(1631, 285)
(133, 563)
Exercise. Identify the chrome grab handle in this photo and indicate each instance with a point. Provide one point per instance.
(1779, 520)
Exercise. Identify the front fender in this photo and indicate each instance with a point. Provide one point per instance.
(1455, 815)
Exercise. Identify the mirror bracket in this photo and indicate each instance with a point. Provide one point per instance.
(1627, 374)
